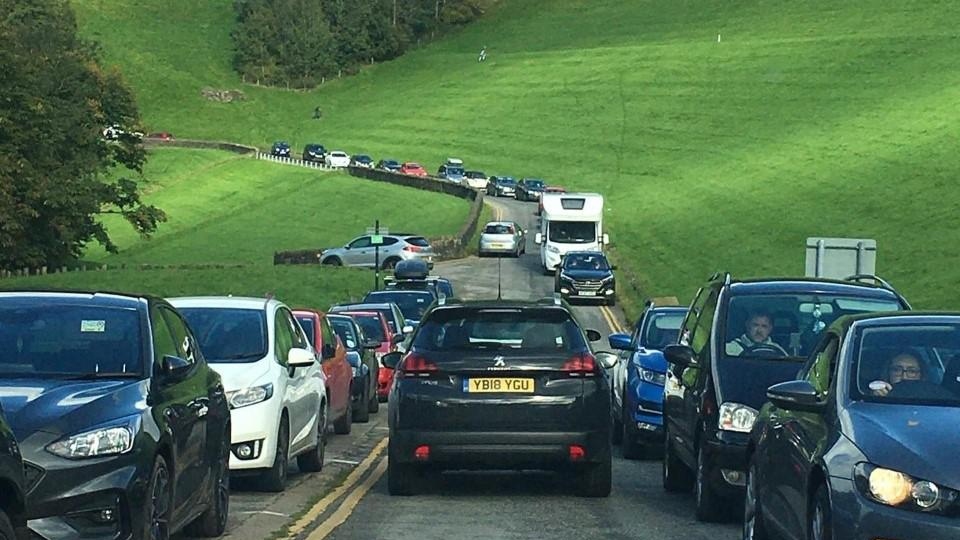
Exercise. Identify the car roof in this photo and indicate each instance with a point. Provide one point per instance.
(363, 306)
(585, 252)
(236, 302)
(548, 303)
(106, 299)
(419, 292)
(809, 285)
(897, 318)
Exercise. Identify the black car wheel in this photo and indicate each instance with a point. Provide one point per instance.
(274, 479)
(677, 477)
(402, 478)
(374, 404)
(616, 428)
(213, 521)
(333, 261)
(709, 507)
(596, 479)
(361, 413)
(6, 528)
(820, 522)
(312, 461)
(157, 511)
(753, 526)
(344, 424)
(630, 447)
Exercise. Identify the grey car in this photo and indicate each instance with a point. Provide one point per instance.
(361, 251)
(503, 238)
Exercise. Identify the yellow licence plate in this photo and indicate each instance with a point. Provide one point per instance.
(499, 385)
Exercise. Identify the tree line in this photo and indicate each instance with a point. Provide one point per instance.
(299, 43)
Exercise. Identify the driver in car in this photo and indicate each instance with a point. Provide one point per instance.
(903, 366)
(758, 329)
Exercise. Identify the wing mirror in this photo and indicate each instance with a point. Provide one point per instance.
(298, 357)
(620, 342)
(680, 355)
(407, 330)
(174, 368)
(606, 359)
(796, 396)
(538, 239)
(390, 360)
(593, 335)
(606, 239)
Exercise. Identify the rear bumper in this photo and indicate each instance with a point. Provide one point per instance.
(499, 450)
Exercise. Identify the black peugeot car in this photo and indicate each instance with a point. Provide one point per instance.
(12, 483)
(123, 427)
(586, 276)
(863, 444)
(363, 361)
(738, 338)
(500, 385)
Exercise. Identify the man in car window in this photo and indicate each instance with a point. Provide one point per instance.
(758, 329)
(903, 366)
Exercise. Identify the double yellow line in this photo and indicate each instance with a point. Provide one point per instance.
(611, 320)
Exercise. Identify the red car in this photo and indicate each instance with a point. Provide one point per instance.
(549, 189)
(333, 358)
(161, 136)
(414, 169)
(375, 327)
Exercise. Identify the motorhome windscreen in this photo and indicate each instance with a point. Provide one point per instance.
(572, 232)
(572, 204)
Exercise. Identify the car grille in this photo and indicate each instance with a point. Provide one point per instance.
(32, 474)
(588, 285)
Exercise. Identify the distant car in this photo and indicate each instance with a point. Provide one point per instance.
(529, 189)
(376, 326)
(13, 503)
(361, 160)
(363, 362)
(115, 132)
(273, 382)
(280, 149)
(123, 425)
(337, 158)
(502, 238)
(391, 165)
(337, 373)
(476, 179)
(413, 304)
(548, 189)
(390, 311)
(412, 274)
(501, 186)
(314, 153)
(361, 251)
(413, 169)
(454, 162)
(586, 275)
(164, 136)
(451, 173)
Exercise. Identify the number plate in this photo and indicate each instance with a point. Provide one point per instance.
(503, 385)
(586, 293)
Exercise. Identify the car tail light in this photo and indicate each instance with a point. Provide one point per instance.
(415, 249)
(581, 364)
(577, 452)
(422, 453)
(415, 365)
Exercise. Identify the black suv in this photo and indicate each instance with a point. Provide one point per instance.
(529, 189)
(12, 483)
(738, 339)
(314, 152)
(502, 384)
(586, 275)
(280, 149)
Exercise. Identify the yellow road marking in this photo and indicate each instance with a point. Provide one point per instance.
(611, 319)
(337, 518)
(351, 479)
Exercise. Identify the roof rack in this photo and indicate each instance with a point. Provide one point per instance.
(877, 280)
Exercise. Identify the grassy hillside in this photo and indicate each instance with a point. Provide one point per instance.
(812, 118)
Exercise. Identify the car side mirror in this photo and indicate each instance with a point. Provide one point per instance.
(174, 368)
(680, 355)
(408, 329)
(397, 338)
(606, 239)
(538, 239)
(327, 351)
(593, 335)
(371, 344)
(390, 360)
(298, 357)
(795, 396)
(606, 359)
(620, 342)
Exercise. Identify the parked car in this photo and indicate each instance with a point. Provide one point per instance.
(361, 251)
(413, 169)
(361, 160)
(502, 238)
(13, 503)
(586, 275)
(737, 339)
(413, 304)
(413, 274)
(511, 375)
(164, 136)
(390, 311)
(337, 373)
(363, 363)
(476, 179)
(123, 426)
(375, 320)
(637, 380)
(501, 186)
(315, 153)
(337, 158)
(274, 385)
(529, 189)
(451, 173)
(548, 189)
(391, 165)
(859, 445)
(115, 132)
(280, 149)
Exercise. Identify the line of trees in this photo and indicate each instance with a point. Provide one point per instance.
(298, 43)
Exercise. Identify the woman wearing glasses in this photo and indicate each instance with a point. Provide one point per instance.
(904, 366)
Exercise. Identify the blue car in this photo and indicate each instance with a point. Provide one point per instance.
(637, 380)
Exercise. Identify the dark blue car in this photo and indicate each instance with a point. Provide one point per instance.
(637, 386)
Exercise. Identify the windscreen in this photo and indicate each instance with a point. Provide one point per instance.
(663, 329)
(507, 181)
(309, 327)
(585, 261)
(372, 326)
(573, 232)
(51, 340)
(344, 331)
(229, 335)
(498, 229)
(412, 304)
(418, 241)
(910, 363)
(544, 330)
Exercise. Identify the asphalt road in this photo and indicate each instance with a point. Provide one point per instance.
(471, 505)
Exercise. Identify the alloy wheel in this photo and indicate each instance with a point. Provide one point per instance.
(160, 499)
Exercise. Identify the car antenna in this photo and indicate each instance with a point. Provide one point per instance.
(499, 266)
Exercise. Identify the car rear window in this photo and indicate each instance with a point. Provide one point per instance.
(229, 335)
(413, 304)
(417, 241)
(533, 329)
(372, 326)
(498, 229)
(344, 330)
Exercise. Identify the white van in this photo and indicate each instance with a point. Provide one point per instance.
(569, 222)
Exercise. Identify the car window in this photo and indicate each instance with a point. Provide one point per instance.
(362, 242)
(346, 332)
(526, 329)
(417, 241)
(228, 334)
(163, 343)
(307, 323)
(282, 337)
(498, 229)
(701, 335)
(662, 329)
(822, 368)
(186, 347)
(389, 241)
(372, 326)
(412, 304)
(326, 333)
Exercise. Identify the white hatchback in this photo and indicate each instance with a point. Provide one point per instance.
(274, 384)
(337, 158)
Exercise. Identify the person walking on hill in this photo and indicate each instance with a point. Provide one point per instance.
(483, 54)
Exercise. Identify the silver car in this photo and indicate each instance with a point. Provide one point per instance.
(361, 251)
(503, 238)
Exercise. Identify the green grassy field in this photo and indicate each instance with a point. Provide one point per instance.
(812, 118)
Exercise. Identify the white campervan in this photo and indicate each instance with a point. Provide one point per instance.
(569, 222)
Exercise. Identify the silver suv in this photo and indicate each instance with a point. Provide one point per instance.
(395, 247)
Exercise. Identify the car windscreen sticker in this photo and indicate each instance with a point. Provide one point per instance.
(93, 326)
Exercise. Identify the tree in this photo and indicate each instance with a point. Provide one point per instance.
(57, 173)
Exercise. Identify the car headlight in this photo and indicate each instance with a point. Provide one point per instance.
(737, 417)
(565, 276)
(651, 376)
(108, 440)
(894, 488)
(249, 396)
(607, 279)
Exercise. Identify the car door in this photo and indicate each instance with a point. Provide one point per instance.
(335, 368)
(185, 403)
(698, 380)
(359, 252)
(301, 416)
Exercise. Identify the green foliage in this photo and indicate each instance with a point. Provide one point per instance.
(55, 102)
